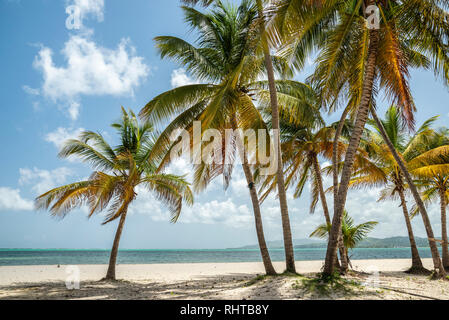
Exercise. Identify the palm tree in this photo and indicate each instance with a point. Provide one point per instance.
(228, 63)
(431, 168)
(381, 169)
(268, 61)
(356, 58)
(118, 171)
(352, 234)
(302, 145)
(288, 243)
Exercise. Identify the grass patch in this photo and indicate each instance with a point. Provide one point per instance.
(435, 275)
(257, 279)
(262, 277)
(326, 285)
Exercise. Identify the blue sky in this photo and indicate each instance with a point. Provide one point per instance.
(57, 82)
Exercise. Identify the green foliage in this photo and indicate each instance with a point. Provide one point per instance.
(327, 285)
(124, 166)
(227, 58)
(352, 234)
(412, 34)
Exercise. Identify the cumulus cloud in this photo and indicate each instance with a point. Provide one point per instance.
(226, 212)
(179, 78)
(60, 135)
(42, 181)
(89, 8)
(233, 208)
(90, 70)
(10, 199)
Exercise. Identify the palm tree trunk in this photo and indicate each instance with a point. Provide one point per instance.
(438, 265)
(110, 275)
(416, 259)
(444, 245)
(343, 253)
(269, 269)
(286, 229)
(319, 181)
(362, 116)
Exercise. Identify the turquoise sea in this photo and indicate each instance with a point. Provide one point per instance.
(16, 257)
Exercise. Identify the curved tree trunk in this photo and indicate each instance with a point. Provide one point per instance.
(110, 275)
(343, 253)
(438, 265)
(416, 259)
(343, 256)
(269, 269)
(319, 181)
(444, 245)
(286, 229)
(362, 116)
(335, 158)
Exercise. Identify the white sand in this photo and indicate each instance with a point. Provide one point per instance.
(215, 281)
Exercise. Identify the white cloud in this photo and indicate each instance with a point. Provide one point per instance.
(43, 180)
(31, 91)
(226, 212)
(10, 199)
(89, 8)
(60, 135)
(91, 70)
(179, 78)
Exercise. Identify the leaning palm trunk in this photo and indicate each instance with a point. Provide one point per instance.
(444, 245)
(319, 181)
(110, 275)
(286, 229)
(433, 246)
(417, 265)
(362, 116)
(343, 256)
(269, 269)
(341, 247)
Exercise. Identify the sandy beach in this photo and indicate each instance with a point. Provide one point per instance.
(371, 279)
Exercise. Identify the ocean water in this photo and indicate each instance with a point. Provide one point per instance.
(16, 257)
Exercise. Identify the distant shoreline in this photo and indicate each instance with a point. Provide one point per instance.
(22, 257)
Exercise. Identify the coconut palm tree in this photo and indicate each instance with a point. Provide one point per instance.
(381, 169)
(431, 168)
(225, 58)
(302, 145)
(118, 172)
(264, 45)
(352, 234)
(356, 58)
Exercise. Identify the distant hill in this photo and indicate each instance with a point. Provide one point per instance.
(277, 244)
(392, 242)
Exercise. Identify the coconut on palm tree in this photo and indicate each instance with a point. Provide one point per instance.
(118, 172)
(356, 58)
